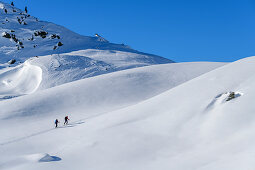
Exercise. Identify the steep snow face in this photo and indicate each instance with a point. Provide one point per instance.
(24, 36)
(23, 79)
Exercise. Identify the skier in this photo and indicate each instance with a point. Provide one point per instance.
(66, 120)
(56, 123)
(12, 4)
(26, 9)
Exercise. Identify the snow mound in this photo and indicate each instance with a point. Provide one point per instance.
(22, 160)
(22, 79)
(48, 158)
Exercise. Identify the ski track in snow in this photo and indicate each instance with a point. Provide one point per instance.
(42, 132)
(25, 137)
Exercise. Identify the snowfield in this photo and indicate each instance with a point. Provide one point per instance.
(85, 101)
(190, 126)
(128, 110)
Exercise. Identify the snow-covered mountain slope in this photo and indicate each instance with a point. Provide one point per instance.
(109, 91)
(160, 116)
(67, 67)
(24, 36)
(43, 55)
(44, 72)
(196, 125)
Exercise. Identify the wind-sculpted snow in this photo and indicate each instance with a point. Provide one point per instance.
(84, 101)
(109, 91)
(173, 130)
(180, 116)
(23, 79)
(58, 69)
(63, 68)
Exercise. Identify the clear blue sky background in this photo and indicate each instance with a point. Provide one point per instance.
(182, 30)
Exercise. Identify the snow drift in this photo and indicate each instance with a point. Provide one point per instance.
(24, 79)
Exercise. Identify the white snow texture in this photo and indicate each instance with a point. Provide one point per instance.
(128, 110)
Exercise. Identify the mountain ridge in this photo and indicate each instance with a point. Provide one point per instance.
(38, 38)
(56, 53)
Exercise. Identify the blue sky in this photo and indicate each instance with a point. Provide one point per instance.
(182, 30)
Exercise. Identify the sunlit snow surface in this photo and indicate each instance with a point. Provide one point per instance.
(97, 108)
(159, 116)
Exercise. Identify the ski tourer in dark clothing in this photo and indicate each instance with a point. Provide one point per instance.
(56, 123)
(66, 120)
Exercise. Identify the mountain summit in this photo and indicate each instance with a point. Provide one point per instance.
(25, 36)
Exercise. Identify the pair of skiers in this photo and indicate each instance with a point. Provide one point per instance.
(57, 121)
